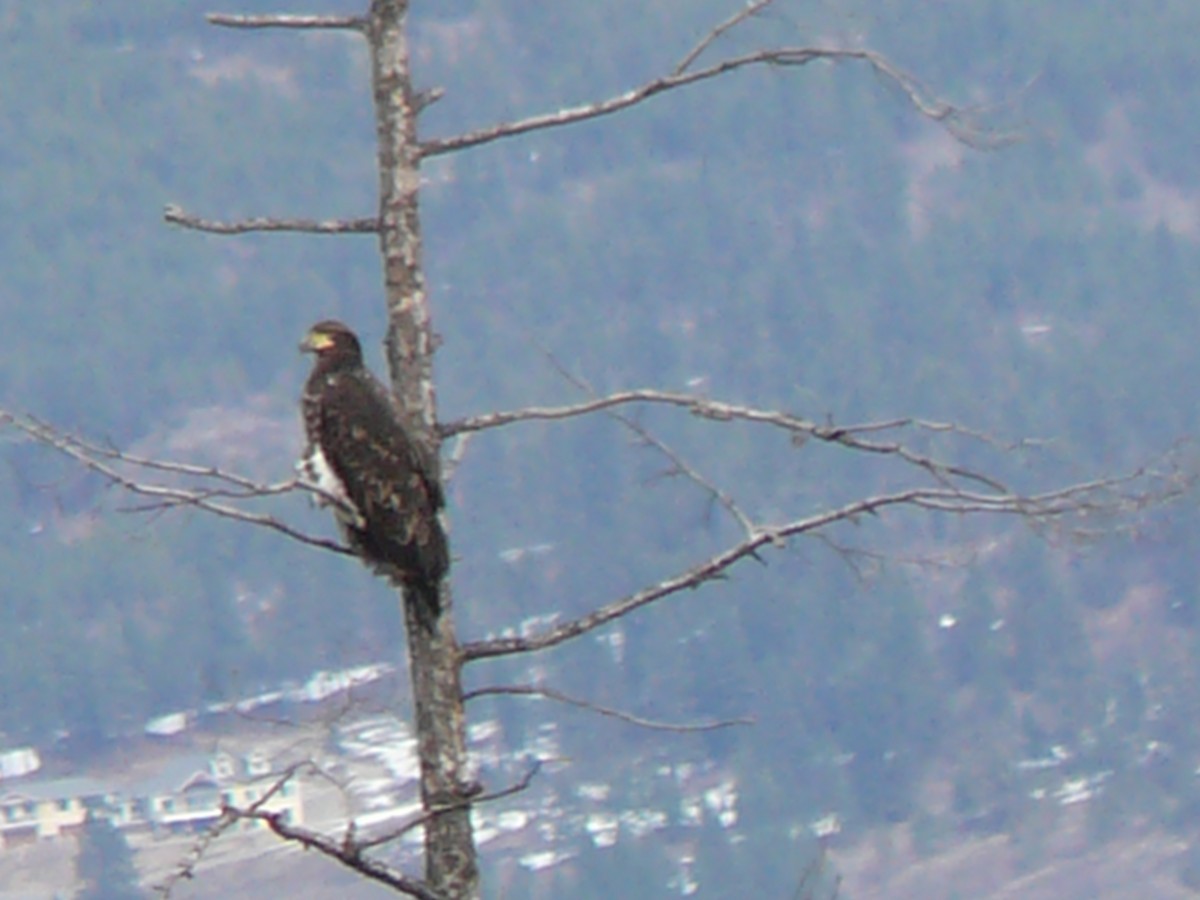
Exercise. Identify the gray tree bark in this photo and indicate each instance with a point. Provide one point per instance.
(451, 866)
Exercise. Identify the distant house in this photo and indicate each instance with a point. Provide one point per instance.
(31, 810)
(187, 796)
(18, 762)
(168, 725)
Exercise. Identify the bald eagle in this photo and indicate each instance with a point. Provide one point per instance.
(380, 480)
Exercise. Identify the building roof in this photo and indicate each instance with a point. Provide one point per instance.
(176, 775)
(54, 789)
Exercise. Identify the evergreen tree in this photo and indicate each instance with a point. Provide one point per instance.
(104, 865)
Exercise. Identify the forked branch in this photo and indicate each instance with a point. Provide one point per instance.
(349, 852)
(351, 849)
(955, 119)
(863, 437)
(1095, 498)
(186, 869)
(718, 31)
(212, 489)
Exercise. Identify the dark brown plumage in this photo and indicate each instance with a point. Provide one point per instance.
(381, 482)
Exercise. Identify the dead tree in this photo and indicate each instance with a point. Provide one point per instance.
(935, 484)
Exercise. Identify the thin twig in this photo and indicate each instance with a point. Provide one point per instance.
(177, 216)
(953, 559)
(680, 465)
(752, 9)
(813, 871)
(529, 690)
(953, 118)
(186, 869)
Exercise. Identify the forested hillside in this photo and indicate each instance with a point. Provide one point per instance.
(796, 239)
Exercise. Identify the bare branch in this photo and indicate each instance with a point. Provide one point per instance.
(280, 20)
(1081, 500)
(106, 462)
(800, 428)
(177, 216)
(550, 413)
(751, 10)
(192, 470)
(710, 409)
(348, 851)
(712, 568)
(955, 119)
(186, 870)
(529, 690)
(418, 821)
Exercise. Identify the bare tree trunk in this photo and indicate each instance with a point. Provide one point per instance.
(451, 868)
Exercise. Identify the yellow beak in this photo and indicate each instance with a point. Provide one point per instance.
(315, 341)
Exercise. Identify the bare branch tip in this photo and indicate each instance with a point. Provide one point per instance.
(175, 215)
(286, 20)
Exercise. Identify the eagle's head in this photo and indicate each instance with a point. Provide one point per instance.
(334, 344)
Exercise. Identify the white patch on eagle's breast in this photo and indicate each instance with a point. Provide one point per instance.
(316, 470)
